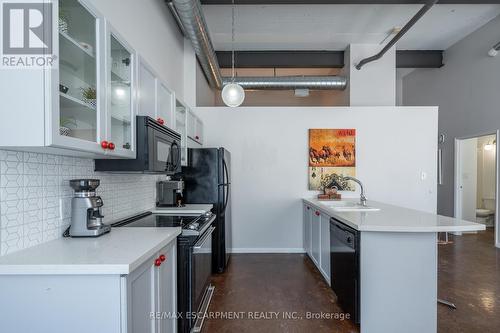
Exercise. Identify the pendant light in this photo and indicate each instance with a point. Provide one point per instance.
(233, 94)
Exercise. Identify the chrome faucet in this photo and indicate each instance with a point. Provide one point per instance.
(362, 198)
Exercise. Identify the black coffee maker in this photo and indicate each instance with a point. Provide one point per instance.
(170, 193)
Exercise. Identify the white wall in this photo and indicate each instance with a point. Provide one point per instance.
(149, 27)
(35, 197)
(468, 179)
(269, 148)
(375, 83)
(466, 90)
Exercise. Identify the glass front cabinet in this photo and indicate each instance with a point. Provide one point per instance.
(84, 104)
(95, 83)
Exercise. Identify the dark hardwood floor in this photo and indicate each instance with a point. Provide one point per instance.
(274, 285)
(469, 276)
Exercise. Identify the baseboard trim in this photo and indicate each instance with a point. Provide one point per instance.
(267, 250)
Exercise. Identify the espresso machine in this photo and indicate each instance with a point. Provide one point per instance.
(170, 193)
(86, 217)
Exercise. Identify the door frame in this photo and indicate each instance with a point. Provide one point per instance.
(457, 194)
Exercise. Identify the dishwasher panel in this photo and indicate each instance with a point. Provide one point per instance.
(344, 267)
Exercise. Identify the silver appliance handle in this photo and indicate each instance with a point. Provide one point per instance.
(161, 187)
(208, 224)
(199, 244)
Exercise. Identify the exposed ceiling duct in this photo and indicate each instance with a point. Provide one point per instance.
(290, 82)
(189, 16)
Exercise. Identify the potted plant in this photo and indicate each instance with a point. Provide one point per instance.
(64, 124)
(89, 95)
(63, 21)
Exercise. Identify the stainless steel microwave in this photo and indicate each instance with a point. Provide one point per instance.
(158, 151)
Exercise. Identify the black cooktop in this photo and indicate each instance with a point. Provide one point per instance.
(160, 221)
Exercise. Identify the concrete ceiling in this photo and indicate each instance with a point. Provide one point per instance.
(333, 27)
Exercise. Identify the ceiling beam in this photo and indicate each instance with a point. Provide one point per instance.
(419, 59)
(344, 2)
(283, 59)
(321, 59)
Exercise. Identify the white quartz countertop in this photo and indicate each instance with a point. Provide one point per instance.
(187, 209)
(394, 219)
(118, 252)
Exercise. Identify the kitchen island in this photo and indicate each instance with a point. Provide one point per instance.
(397, 260)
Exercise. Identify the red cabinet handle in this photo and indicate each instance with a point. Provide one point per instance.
(160, 121)
(104, 144)
(308, 208)
(317, 213)
(157, 262)
(163, 258)
(111, 146)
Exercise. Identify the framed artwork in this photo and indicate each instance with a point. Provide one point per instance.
(332, 155)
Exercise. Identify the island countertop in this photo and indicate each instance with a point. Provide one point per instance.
(394, 219)
(118, 252)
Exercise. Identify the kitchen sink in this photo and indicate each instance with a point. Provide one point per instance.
(348, 206)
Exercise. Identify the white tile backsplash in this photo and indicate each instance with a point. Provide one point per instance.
(35, 197)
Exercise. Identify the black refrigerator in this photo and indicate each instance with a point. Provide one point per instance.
(207, 180)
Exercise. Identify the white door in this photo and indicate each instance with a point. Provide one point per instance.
(191, 125)
(466, 175)
(78, 112)
(120, 79)
(167, 289)
(199, 131)
(325, 247)
(147, 91)
(141, 299)
(165, 105)
(315, 237)
(307, 229)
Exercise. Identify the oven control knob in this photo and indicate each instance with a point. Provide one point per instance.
(349, 240)
(193, 226)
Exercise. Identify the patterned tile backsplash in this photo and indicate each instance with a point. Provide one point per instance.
(35, 197)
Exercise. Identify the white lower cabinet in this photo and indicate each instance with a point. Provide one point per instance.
(317, 239)
(151, 294)
(143, 301)
(307, 229)
(325, 247)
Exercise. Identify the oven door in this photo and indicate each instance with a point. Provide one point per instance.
(166, 153)
(202, 267)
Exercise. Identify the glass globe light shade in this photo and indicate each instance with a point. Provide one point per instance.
(233, 95)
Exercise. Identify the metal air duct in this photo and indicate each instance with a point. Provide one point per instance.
(290, 82)
(189, 16)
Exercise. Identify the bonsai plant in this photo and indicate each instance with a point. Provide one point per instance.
(64, 124)
(89, 95)
(63, 21)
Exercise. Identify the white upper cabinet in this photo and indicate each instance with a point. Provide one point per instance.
(194, 127)
(147, 90)
(120, 81)
(156, 100)
(165, 105)
(181, 128)
(78, 114)
(70, 105)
